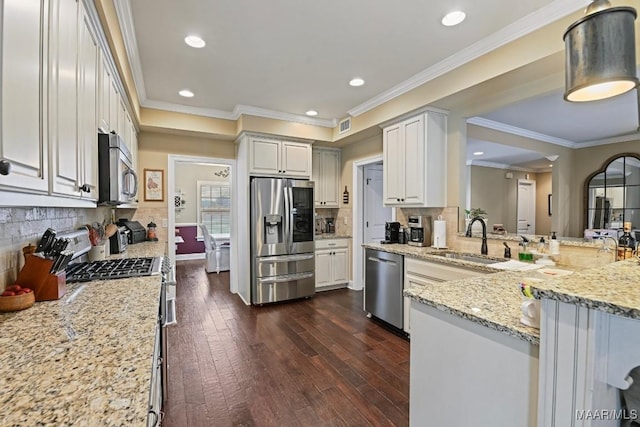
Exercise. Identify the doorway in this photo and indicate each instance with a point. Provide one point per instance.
(375, 213)
(526, 223)
(201, 190)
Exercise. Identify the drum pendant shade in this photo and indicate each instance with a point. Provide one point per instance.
(600, 55)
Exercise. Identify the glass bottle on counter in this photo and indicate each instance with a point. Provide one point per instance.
(626, 242)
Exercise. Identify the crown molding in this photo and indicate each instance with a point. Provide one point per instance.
(534, 21)
(237, 112)
(125, 18)
(514, 130)
(178, 108)
(496, 165)
(277, 115)
(635, 136)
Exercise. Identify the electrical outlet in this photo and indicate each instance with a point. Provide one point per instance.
(165, 223)
(346, 221)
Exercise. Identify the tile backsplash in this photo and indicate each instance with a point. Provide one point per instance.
(21, 226)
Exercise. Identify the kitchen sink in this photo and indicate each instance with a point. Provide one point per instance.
(481, 259)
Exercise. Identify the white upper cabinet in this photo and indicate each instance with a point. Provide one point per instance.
(104, 92)
(272, 157)
(23, 65)
(87, 109)
(63, 97)
(326, 175)
(415, 161)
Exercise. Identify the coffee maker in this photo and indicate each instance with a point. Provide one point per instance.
(419, 230)
(391, 232)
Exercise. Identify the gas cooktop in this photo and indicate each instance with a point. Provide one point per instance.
(114, 269)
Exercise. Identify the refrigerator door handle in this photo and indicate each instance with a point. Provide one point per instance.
(288, 278)
(287, 258)
(289, 196)
(286, 216)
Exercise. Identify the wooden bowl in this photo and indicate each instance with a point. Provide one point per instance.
(17, 302)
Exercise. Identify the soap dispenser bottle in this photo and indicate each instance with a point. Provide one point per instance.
(554, 245)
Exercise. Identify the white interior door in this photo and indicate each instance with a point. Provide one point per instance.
(526, 206)
(375, 214)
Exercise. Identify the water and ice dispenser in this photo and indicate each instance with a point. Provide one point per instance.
(273, 229)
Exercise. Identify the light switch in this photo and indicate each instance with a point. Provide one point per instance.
(165, 223)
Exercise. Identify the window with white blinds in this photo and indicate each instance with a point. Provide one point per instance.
(214, 206)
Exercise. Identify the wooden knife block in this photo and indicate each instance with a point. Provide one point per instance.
(35, 275)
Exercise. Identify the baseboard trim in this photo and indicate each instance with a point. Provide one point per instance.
(184, 257)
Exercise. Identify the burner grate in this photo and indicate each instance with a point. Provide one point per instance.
(113, 269)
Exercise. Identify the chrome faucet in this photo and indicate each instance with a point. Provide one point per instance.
(604, 247)
(483, 250)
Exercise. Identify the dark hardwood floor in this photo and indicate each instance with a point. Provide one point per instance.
(314, 362)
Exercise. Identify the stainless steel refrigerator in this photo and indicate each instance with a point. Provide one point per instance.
(282, 233)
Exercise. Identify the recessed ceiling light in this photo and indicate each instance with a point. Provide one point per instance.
(186, 93)
(356, 82)
(550, 166)
(478, 153)
(312, 113)
(194, 41)
(453, 18)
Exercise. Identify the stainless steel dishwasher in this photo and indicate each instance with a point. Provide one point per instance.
(383, 286)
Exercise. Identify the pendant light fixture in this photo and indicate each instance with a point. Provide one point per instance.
(600, 53)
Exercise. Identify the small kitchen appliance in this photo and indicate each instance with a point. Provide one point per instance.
(119, 241)
(391, 232)
(330, 225)
(137, 232)
(419, 230)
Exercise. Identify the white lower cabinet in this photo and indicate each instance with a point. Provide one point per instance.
(332, 263)
(418, 273)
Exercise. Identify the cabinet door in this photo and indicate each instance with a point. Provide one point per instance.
(104, 107)
(340, 266)
(22, 125)
(317, 178)
(264, 156)
(331, 178)
(393, 172)
(114, 105)
(323, 268)
(87, 108)
(296, 159)
(63, 96)
(413, 159)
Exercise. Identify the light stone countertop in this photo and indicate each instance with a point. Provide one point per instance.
(327, 236)
(613, 288)
(494, 300)
(84, 359)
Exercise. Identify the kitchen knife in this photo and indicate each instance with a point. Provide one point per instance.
(46, 240)
(56, 264)
(59, 246)
(66, 257)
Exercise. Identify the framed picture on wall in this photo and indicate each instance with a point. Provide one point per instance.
(154, 185)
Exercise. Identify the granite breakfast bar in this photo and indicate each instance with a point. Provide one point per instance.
(84, 359)
(469, 349)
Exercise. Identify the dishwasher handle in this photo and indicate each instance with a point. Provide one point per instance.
(381, 260)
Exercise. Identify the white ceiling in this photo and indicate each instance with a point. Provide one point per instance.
(281, 58)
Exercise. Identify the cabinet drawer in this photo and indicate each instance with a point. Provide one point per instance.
(332, 243)
(433, 271)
